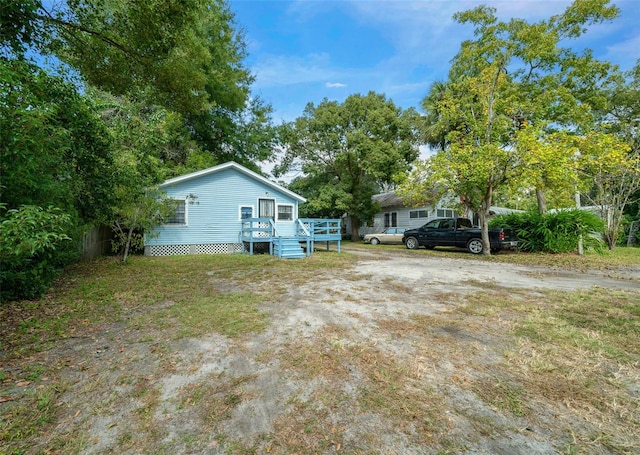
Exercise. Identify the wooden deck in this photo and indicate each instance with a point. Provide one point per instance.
(259, 231)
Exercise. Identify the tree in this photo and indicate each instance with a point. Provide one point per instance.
(513, 74)
(54, 150)
(621, 117)
(186, 57)
(347, 151)
(611, 178)
(149, 145)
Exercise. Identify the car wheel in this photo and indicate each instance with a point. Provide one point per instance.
(412, 243)
(375, 241)
(475, 246)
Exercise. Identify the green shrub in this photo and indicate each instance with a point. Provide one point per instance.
(557, 232)
(30, 238)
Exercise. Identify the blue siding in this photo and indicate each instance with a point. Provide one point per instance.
(214, 215)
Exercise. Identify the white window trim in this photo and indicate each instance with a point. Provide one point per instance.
(186, 214)
(241, 206)
(267, 198)
(293, 213)
(425, 211)
(390, 217)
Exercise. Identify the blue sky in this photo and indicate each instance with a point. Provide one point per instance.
(303, 51)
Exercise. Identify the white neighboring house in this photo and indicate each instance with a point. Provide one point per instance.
(393, 213)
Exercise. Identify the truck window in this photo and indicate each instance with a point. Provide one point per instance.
(464, 223)
(431, 224)
(446, 224)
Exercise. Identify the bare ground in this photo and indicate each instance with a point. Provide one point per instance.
(377, 359)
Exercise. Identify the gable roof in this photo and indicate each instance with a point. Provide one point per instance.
(237, 167)
(390, 199)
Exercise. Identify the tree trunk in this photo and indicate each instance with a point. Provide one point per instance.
(355, 235)
(129, 235)
(125, 254)
(483, 218)
(542, 201)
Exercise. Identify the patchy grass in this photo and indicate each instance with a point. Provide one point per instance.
(194, 294)
(563, 366)
(181, 297)
(23, 420)
(356, 381)
(578, 352)
(620, 257)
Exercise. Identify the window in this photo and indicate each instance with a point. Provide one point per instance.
(391, 219)
(179, 217)
(266, 208)
(285, 212)
(418, 214)
(445, 213)
(246, 212)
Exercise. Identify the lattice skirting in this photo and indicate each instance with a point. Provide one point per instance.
(212, 248)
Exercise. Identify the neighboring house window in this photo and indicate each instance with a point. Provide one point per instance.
(445, 213)
(418, 214)
(246, 212)
(285, 212)
(179, 217)
(391, 219)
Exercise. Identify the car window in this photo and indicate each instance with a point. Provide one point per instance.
(401, 231)
(431, 224)
(446, 224)
(464, 223)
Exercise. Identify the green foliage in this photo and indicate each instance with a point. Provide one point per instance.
(29, 239)
(183, 55)
(347, 152)
(149, 143)
(54, 150)
(512, 76)
(557, 232)
(18, 26)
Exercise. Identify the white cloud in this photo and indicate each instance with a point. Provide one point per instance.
(335, 85)
(625, 53)
(272, 70)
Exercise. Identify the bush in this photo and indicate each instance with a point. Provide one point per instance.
(557, 232)
(29, 258)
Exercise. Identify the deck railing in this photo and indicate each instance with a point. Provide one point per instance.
(309, 230)
(258, 230)
(323, 230)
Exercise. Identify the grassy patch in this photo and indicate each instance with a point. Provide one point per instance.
(620, 257)
(377, 384)
(198, 290)
(578, 351)
(25, 418)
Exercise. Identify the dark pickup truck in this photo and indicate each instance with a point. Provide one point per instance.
(457, 232)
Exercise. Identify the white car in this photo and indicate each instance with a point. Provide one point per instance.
(389, 235)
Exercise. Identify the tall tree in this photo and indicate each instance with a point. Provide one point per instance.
(184, 56)
(347, 151)
(54, 150)
(513, 74)
(56, 175)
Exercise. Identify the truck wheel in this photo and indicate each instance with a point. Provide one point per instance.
(412, 243)
(474, 246)
(375, 241)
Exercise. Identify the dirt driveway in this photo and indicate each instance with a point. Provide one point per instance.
(387, 357)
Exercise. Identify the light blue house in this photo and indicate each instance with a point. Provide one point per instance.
(231, 209)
